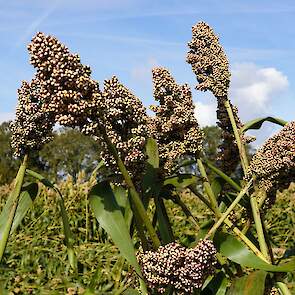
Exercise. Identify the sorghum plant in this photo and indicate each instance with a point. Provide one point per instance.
(145, 154)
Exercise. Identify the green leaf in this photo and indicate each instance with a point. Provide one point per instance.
(216, 186)
(257, 123)
(163, 221)
(181, 181)
(217, 285)
(223, 175)
(152, 153)
(120, 196)
(204, 228)
(252, 284)
(27, 196)
(40, 177)
(110, 218)
(236, 251)
(151, 182)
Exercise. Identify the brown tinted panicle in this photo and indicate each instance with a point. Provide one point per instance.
(69, 91)
(184, 269)
(273, 165)
(174, 125)
(32, 127)
(210, 65)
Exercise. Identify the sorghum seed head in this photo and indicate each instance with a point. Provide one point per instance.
(174, 126)
(33, 126)
(184, 269)
(273, 165)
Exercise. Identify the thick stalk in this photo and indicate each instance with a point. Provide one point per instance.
(259, 227)
(15, 195)
(230, 209)
(207, 187)
(245, 165)
(138, 205)
(241, 146)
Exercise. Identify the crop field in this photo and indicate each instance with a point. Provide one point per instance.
(100, 196)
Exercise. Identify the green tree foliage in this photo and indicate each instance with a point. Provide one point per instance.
(8, 165)
(69, 153)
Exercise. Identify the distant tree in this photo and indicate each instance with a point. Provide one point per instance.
(8, 164)
(212, 140)
(69, 153)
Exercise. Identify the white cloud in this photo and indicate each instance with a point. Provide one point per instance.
(4, 117)
(205, 113)
(253, 88)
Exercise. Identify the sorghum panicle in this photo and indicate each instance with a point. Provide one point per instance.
(76, 101)
(174, 126)
(69, 92)
(32, 127)
(184, 269)
(273, 165)
(210, 64)
(125, 122)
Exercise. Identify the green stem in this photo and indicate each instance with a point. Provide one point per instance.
(86, 218)
(208, 188)
(67, 230)
(283, 288)
(138, 205)
(241, 146)
(258, 225)
(236, 231)
(230, 208)
(15, 196)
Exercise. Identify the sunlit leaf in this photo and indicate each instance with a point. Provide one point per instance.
(181, 181)
(238, 252)
(110, 218)
(27, 196)
(257, 123)
(252, 284)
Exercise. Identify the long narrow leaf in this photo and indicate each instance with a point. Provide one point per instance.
(110, 218)
(236, 251)
(222, 175)
(252, 284)
(27, 196)
(257, 123)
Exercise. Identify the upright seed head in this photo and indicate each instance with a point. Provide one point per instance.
(174, 265)
(174, 126)
(32, 127)
(210, 64)
(273, 165)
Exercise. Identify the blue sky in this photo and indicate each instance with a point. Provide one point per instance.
(128, 38)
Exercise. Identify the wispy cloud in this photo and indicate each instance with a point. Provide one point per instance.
(121, 38)
(35, 24)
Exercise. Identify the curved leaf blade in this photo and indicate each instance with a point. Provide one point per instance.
(257, 123)
(236, 251)
(27, 196)
(181, 181)
(152, 152)
(252, 284)
(110, 218)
